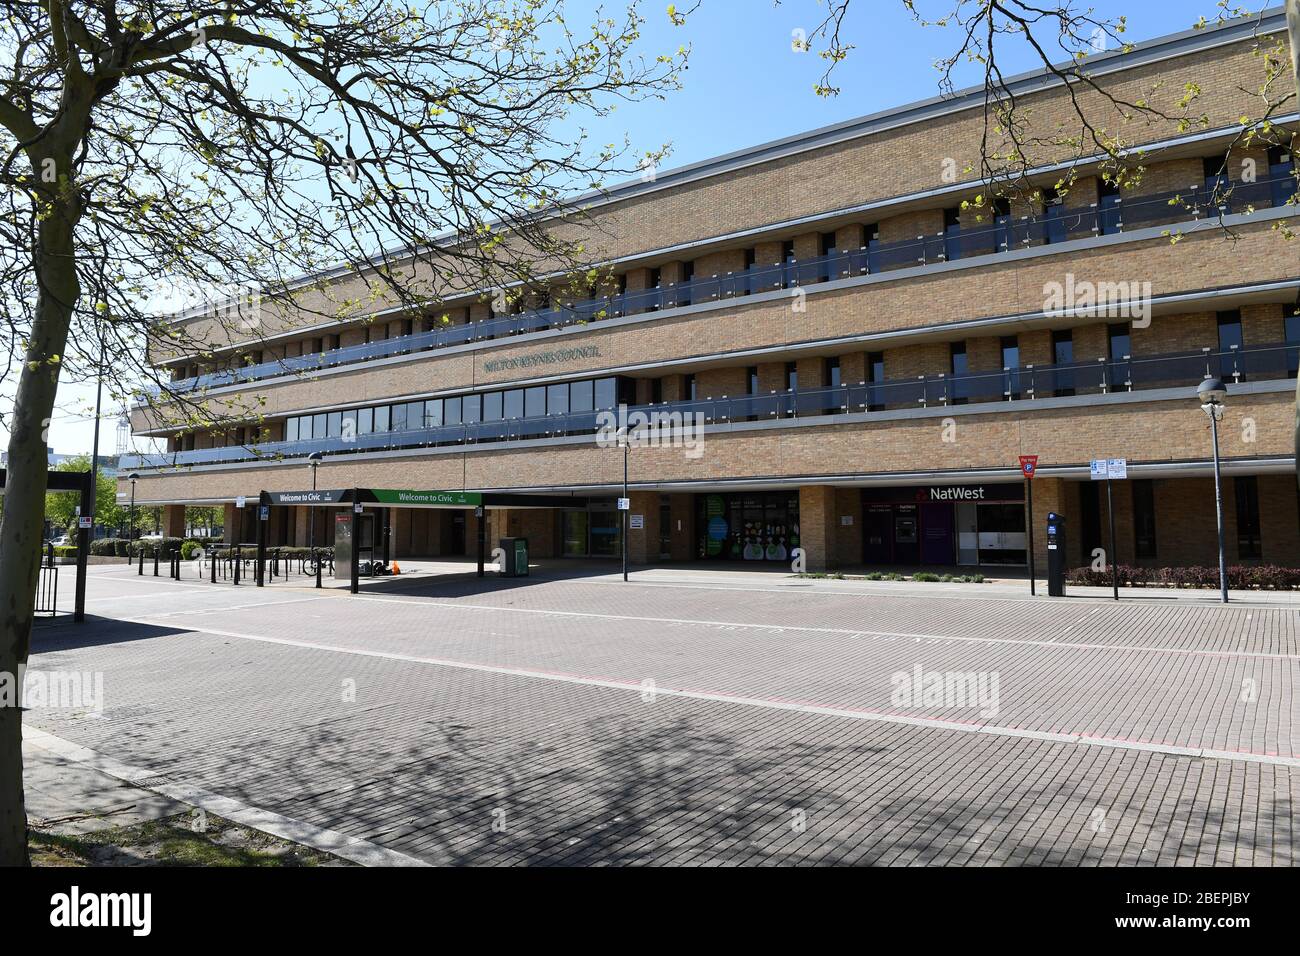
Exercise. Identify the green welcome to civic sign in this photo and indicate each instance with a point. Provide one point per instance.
(452, 499)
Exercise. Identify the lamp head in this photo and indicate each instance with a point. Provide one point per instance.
(1211, 392)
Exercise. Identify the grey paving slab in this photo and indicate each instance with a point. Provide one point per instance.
(519, 725)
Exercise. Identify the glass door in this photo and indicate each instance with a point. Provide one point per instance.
(575, 534)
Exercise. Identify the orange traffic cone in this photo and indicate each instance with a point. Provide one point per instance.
(397, 568)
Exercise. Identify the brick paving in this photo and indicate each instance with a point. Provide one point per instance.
(581, 722)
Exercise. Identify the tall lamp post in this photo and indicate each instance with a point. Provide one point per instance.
(313, 460)
(1211, 394)
(133, 477)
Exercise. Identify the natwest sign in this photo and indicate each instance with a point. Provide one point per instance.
(958, 493)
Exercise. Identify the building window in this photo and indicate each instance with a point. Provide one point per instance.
(433, 413)
(383, 421)
(397, 417)
(606, 393)
(492, 406)
(1121, 343)
(751, 380)
(960, 366)
(514, 407)
(451, 411)
(1062, 355)
(690, 387)
(1231, 341)
(1144, 518)
(787, 250)
(831, 376)
(290, 430)
(1247, 493)
(365, 421)
(828, 247)
(471, 409)
(535, 401)
(1291, 330)
(791, 377)
(1011, 363)
(557, 399)
(581, 397)
(875, 377)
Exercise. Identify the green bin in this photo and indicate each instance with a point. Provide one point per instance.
(515, 563)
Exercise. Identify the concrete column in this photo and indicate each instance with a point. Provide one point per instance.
(230, 522)
(817, 525)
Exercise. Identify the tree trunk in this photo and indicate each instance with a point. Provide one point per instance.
(25, 484)
(1293, 31)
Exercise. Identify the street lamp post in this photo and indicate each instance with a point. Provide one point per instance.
(133, 477)
(313, 460)
(1211, 394)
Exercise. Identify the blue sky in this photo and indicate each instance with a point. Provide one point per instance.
(745, 86)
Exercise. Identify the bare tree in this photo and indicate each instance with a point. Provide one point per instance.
(227, 148)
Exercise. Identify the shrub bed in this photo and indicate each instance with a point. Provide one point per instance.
(1241, 577)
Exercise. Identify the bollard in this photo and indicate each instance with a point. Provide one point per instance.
(212, 566)
(318, 561)
(141, 571)
(235, 559)
(155, 562)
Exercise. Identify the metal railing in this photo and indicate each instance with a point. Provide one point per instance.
(1128, 373)
(1003, 234)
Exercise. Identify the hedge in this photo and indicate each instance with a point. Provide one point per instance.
(168, 546)
(1241, 577)
(110, 547)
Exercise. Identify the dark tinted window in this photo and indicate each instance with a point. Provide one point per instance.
(1121, 344)
(451, 411)
(514, 403)
(581, 397)
(606, 392)
(535, 402)
(492, 406)
(1144, 518)
(1247, 493)
(557, 399)
(472, 409)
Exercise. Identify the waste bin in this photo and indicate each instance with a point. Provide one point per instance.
(1056, 555)
(515, 562)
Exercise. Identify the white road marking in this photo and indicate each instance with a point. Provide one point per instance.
(760, 702)
(329, 841)
(1026, 642)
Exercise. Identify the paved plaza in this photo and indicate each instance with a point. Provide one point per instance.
(750, 719)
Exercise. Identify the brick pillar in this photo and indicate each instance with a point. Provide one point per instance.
(1051, 495)
(817, 526)
(848, 537)
(643, 542)
(399, 540)
(174, 521)
(302, 526)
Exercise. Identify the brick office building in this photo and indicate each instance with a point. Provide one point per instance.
(869, 357)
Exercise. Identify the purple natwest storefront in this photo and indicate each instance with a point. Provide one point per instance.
(944, 525)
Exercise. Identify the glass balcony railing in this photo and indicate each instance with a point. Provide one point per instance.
(1003, 234)
(1263, 363)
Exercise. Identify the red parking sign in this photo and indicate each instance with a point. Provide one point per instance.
(1029, 465)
